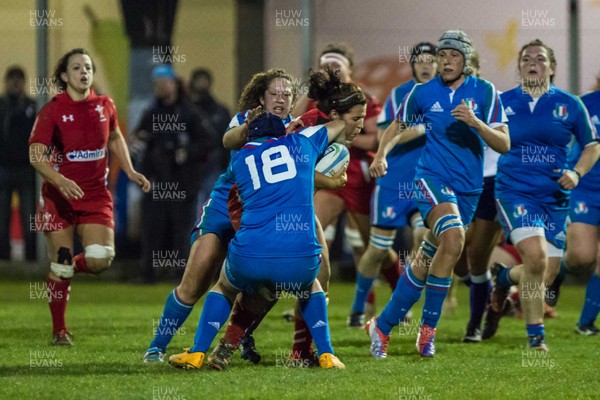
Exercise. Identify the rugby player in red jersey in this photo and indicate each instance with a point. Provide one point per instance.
(69, 148)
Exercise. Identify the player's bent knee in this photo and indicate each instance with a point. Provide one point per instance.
(450, 223)
(535, 262)
(353, 237)
(380, 244)
(98, 257)
(450, 233)
(98, 265)
(447, 223)
(580, 260)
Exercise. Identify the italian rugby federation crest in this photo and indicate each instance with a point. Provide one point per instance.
(580, 208)
(471, 104)
(447, 191)
(560, 111)
(389, 213)
(520, 211)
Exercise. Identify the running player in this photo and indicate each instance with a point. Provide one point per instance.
(481, 239)
(68, 147)
(392, 202)
(273, 185)
(461, 113)
(273, 91)
(534, 183)
(583, 250)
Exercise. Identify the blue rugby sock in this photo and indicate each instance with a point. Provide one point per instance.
(591, 307)
(466, 279)
(174, 315)
(314, 312)
(503, 278)
(363, 287)
(535, 329)
(436, 290)
(214, 314)
(479, 293)
(407, 292)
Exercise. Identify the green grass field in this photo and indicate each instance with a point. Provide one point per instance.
(113, 325)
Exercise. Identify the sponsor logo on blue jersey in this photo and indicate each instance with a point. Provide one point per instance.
(436, 107)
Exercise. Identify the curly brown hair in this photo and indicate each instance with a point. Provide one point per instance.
(258, 85)
(332, 94)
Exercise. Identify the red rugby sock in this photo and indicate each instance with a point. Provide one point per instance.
(391, 273)
(241, 319)
(371, 297)
(80, 264)
(302, 347)
(58, 295)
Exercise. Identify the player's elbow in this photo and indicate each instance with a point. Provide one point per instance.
(37, 154)
(504, 146)
(231, 142)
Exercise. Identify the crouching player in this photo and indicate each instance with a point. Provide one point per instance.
(269, 179)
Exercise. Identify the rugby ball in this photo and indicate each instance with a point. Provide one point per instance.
(334, 158)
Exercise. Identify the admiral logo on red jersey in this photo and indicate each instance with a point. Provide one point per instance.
(85, 155)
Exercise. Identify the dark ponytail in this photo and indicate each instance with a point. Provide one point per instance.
(330, 93)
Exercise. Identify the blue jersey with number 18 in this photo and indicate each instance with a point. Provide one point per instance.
(276, 183)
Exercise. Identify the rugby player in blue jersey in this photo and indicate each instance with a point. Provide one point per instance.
(335, 100)
(274, 187)
(273, 91)
(481, 239)
(534, 183)
(461, 114)
(583, 250)
(392, 203)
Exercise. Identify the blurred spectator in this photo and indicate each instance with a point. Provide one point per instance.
(17, 115)
(216, 119)
(175, 149)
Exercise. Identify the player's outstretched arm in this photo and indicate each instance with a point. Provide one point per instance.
(497, 138)
(300, 106)
(389, 139)
(335, 129)
(40, 159)
(236, 137)
(118, 149)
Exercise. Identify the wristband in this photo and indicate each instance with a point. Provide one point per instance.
(577, 172)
